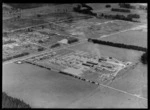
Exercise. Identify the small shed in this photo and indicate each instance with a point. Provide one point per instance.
(63, 41)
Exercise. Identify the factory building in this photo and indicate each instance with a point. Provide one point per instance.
(87, 64)
(93, 63)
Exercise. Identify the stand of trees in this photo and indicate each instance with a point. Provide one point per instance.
(119, 45)
(8, 42)
(121, 17)
(144, 58)
(40, 49)
(121, 10)
(16, 56)
(20, 55)
(142, 7)
(8, 58)
(133, 16)
(5, 34)
(84, 11)
(108, 6)
(55, 45)
(88, 7)
(40, 41)
(72, 40)
(10, 102)
(126, 5)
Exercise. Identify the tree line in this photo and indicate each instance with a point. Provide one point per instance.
(10, 102)
(121, 10)
(16, 56)
(126, 5)
(119, 45)
(121, 17)
(144, 58)
(84, 11)
(8, 42)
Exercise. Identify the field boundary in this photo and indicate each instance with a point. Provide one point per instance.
(119, 45)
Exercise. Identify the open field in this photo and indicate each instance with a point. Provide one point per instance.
(51, 89)
(132, 37)
(95, 29)
(41, 88)
(104, 97)
(134, 81)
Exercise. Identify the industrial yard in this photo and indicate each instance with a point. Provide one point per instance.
(49, 60)
(79, 64)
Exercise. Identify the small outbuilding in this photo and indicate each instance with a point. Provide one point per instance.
(63, 41)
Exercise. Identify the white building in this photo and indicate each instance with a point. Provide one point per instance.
(63, 41)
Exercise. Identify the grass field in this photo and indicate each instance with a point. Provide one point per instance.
(99, 27)
(41, 88)
(105, 97)
(133, 81)
(133, 37)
